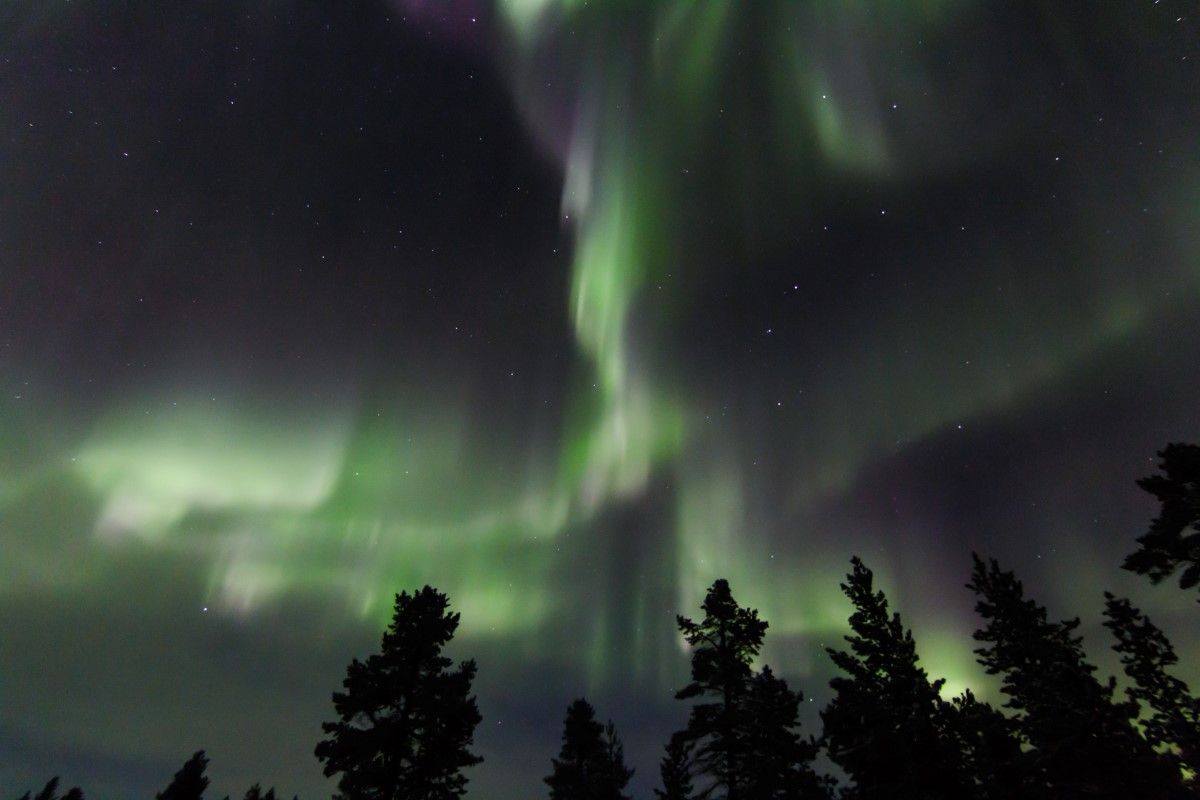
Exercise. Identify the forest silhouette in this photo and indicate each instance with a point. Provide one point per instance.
(406, 716)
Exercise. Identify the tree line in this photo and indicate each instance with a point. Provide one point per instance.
(406, 716)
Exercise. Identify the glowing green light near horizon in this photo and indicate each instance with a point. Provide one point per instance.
(345, 503)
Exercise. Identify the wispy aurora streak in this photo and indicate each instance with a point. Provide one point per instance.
(698, 142)
(653, 92)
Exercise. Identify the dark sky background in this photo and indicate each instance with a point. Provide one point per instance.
(566, 308)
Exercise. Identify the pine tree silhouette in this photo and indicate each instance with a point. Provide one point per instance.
(1173, 541)
(724, 644)
(189, 782)
(1173, 724)
(886, 725)
(255, 792)
(675, 769)
(50, 792)
(1082, 742)
(406, 719)
(991, 749)
(616, 775)
(591, 763)
(743, 743)
(778, 762)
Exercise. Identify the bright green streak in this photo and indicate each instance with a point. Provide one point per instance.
(348, 503)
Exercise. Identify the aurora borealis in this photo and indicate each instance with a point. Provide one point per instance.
(567, 308)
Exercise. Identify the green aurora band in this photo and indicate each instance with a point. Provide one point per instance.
(350, 500)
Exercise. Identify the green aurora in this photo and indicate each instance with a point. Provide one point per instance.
(351, 504)
(706, 151)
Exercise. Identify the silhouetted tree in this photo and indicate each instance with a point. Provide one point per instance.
(189, 782)
(886, 725)
(591, 763)
(50, 792)
(777, 761)
(405, 719)
(743, 742)
(255, 792)
(1082, 743)
(724, 644)
(1173, 541)
(1173, 723)
(675, 770)
(991, 749)
(617, 775)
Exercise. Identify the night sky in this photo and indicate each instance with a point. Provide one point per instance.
(567, 308)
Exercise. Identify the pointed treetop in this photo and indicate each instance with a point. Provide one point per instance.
(591, 763)
(726, 640)
(189, 782)
(406, 717)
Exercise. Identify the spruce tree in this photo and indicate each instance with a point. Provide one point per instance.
(724, 644)
(591, 762)
(616, 775)
(255, 792)
(189, 782)
(991, 749)
(1081, 741)
(886, 725)
(50, 792)
(675, 769)
(1173, 541)
(778, 761)
(406, 719)
(1173, 722)
(741, 742)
